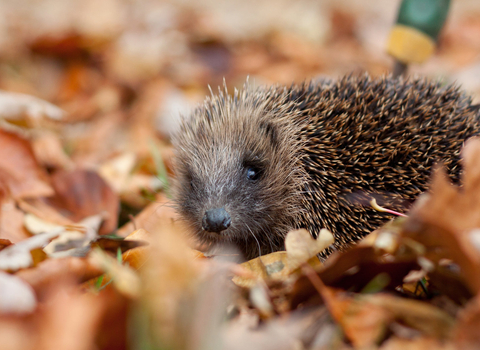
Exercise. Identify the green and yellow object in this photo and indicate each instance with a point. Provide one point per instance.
(414, 35)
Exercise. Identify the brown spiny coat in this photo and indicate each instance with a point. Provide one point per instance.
(317, 151)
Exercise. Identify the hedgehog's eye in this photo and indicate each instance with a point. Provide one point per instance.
(253, 173)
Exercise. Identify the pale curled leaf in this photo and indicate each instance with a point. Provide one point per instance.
(301, 246)
(16, 296)
(17, 256)
(75, 239)
(36, 225)
(15, 107)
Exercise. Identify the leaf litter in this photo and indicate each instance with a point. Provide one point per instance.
(92, 254)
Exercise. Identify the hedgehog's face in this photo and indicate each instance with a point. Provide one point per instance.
(236, 179)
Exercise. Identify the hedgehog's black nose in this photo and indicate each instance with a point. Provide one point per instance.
(216, 220)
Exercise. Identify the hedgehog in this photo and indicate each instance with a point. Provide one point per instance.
(256, 164)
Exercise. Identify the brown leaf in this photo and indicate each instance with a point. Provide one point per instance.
(396, 343)
(11, 223)
(113, 244)
(153, 217)
(4, 243)
(137, 257)
(83, 193)
(416, 314)
(49, 151)
(365, 324)
(445, 220)
(353, 270)
(466, 331)
(69, 314)
(19, 169)
(50, 271)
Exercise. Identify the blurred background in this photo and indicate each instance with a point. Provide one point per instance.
(124, 70)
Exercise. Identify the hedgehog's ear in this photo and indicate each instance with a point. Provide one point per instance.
(270, 130)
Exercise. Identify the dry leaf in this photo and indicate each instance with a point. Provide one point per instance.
(83, 193)
(35, 225)
(11, 222)
(466, 330)
(169, 279)
(354, 270)
(75, 240)
(51, 271)
(124, 278)
(424, 317)
(396, 343)
(116, 171)
(49, 151)
(270, 266)
(18, 256)
(70, 318)
(25, 110)
(4, 243)
(444, 219)
(19, 169)
(301, 246)
(365, 324)
(16, 296)
(136, 257)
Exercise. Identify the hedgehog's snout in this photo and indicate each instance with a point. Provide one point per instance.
(216, 220)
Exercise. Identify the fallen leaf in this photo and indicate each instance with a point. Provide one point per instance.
(466, 330)
(26, 110)
(11, 222)
(75, 240)
(292, 331)
(353, 270)
(83, 193)
(117, 171)
(4, 243)
(112, 245)
(137, 257)
(51, 271)
(19, 169)
(301, 246)
(35, 225)
(396, 343)
(443, 220)
(49, 151)
(16, 296)
(69, 314)
(124, 278)
(270, 266)
(428, 319)
(18, 256)
(43, 211)
(365, 324)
